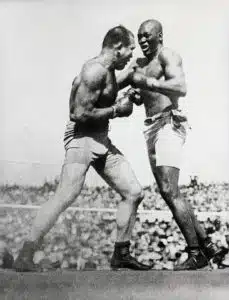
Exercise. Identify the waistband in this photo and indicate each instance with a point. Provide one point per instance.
(74, 129)
(175, 114)
(159, 116)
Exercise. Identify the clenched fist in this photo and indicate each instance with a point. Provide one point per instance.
(134, 95)
(123, 107)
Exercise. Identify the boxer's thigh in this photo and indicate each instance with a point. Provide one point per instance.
(169, 147)
(118, 173)
(73, 172)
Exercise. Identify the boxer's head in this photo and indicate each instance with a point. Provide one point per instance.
(150, 35)
(121, 41)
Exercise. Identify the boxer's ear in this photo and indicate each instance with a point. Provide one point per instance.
(160, 36)
(118, 48)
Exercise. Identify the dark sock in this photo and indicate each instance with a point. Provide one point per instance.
(194, 250)
(207, 242)
(28, 249)
(122, 248)
(122, 244)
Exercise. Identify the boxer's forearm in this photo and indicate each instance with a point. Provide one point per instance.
(172, 87)
(124, 79)
(95, 114)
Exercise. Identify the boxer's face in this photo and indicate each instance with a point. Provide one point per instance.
(148, 38)
(125, 53)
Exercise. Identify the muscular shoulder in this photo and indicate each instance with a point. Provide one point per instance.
(139, 62)
(93, 73)
(169, 56)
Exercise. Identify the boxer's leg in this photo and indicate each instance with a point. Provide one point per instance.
(71, 182)
(117, 172)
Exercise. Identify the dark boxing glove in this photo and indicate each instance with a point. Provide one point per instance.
(123, 107)
(134, 96)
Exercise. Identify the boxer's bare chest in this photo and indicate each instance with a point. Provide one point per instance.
(150, 69)
(154, 102)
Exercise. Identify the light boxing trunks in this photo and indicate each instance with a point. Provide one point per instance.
(165, 135)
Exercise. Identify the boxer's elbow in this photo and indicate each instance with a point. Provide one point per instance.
(72, 117)
(183, 92)
(80, 117)
(182, 89)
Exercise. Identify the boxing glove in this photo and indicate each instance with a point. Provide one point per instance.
(123, 107)
(134, 95)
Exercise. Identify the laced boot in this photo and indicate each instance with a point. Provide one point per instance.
(196, 260)
(122, 259)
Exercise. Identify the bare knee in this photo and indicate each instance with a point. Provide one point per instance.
(66, 195)
(171, 196)
(135, 196)
(168, 191)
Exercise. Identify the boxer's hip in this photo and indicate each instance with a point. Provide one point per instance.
(94, 141)
(163, 123)
(165, 135)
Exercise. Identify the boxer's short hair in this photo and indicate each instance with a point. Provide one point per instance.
(116, 35)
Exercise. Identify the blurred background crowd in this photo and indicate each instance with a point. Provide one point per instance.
(85, 239)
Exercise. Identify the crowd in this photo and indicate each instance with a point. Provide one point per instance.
(203, 197)
(84, 240)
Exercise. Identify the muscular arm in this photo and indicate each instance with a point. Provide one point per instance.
(125, 77)
(92, 82)
(174, 83)
(75, 85)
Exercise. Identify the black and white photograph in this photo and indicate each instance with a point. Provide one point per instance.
(114, 153)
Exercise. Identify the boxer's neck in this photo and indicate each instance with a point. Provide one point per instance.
(107, 58)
